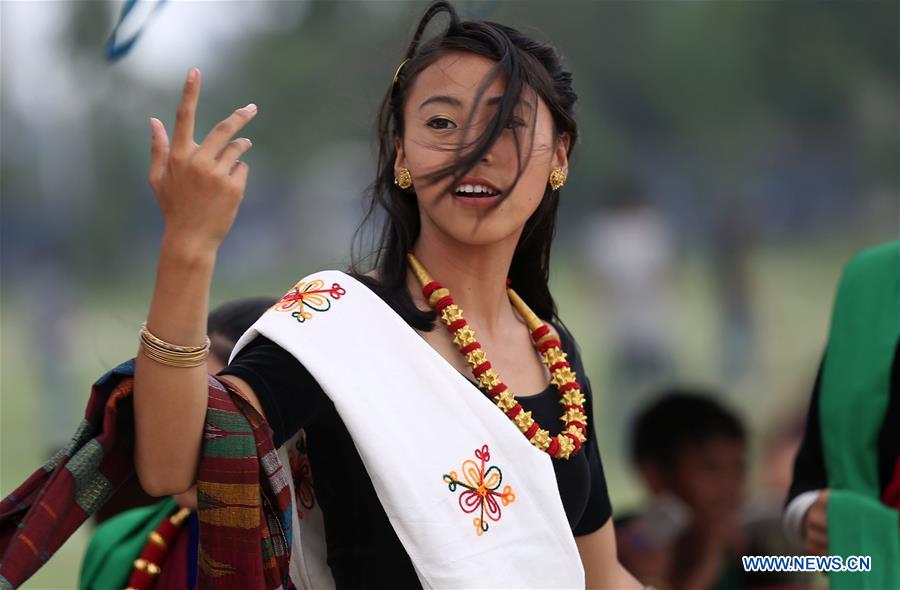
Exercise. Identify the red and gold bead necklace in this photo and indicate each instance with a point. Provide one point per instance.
(565, 444)
(148, 565)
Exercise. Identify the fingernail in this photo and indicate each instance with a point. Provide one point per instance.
(152, 127)
(192, 74)
(250, 108)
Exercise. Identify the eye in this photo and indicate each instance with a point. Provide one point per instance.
(441, 123)
(514, 123)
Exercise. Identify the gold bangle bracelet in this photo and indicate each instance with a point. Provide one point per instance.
(170, 354)
(171, 360)
(168, 351)
(164, 356)
(146, 333)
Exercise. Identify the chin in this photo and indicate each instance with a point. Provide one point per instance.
(484, 234)
(476, 230)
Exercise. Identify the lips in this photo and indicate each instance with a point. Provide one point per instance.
(475, 188)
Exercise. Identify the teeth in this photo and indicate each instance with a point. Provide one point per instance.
(475, 189)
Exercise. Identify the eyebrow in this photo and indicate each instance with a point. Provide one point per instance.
(453, 101)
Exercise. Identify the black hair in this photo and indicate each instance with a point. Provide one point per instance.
(681, 418)
(522, 63)
(230, 320)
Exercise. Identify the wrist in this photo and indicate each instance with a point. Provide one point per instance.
(795, 515)
(187, 250)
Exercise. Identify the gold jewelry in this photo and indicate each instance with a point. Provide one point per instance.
(157, 540)
(170, 354)
(569, 441)
(151, 559)
(403, 179)
(179, 516)
(142, 565)
(557, 179)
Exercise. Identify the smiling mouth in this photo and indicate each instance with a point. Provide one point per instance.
(475, 191)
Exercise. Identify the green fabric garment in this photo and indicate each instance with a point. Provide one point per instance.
(730, 578)
(117, 543)
(855, 390)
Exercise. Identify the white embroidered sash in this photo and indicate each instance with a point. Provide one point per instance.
(472, 501)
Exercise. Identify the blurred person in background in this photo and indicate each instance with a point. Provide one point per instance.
(845, 494)
(690, 452)
(132, 522)
(54, 327)
(730, 265)
(629, 247)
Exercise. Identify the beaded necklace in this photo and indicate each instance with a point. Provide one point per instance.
(565, 444)
(148, 565)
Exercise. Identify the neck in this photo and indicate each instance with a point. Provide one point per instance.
(475, 275)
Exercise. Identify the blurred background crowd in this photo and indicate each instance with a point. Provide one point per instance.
(733, 156)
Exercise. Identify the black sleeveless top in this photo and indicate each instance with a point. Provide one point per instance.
(363, 549)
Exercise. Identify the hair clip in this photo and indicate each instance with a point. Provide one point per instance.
(397, 73)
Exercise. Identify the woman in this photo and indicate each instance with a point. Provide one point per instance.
(475, 134)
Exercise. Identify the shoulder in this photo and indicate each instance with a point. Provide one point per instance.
(322, 275)
(872, 263)
(311, 289)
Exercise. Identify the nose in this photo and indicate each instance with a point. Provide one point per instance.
(488, 157)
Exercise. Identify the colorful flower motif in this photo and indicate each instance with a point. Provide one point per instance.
(309, 295)
(302, 474)
(481, 490)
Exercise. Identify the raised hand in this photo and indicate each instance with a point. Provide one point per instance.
(199, 187)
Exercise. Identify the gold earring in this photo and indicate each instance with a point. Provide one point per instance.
(557, 179)
(403, 178)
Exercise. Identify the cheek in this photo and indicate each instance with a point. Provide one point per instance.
(531, 186)
(537, 172)
(696, 485)
(537, 175)
(424, 158)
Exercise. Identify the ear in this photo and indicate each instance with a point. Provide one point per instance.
(400, 160)
(561, 153)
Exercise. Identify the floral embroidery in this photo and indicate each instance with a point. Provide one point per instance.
(302, 474)
(480, 490)
(309, 295)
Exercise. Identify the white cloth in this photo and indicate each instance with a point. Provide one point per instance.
(414, 419)
(794, 513)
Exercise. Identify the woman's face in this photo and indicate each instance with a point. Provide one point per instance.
(435, 114)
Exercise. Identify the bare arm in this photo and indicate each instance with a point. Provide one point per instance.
(199, 189)
(601, 564)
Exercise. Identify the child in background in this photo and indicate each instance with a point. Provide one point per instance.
(691, 454)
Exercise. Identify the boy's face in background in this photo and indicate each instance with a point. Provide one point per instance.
(709, 477)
